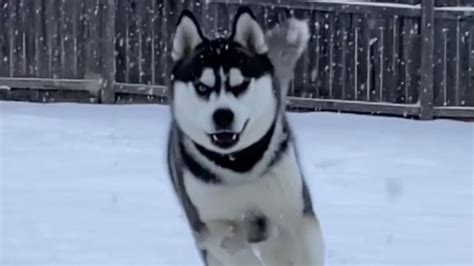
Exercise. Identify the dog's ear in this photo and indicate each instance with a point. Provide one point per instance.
(247, 32)
(188, 35)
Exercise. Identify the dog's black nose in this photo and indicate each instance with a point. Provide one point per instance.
(223, 118)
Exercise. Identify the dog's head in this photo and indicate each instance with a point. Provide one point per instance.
(222, 89)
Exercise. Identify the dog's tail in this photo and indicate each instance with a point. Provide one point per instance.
(286, 43)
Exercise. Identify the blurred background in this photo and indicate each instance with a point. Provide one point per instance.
(364, 56)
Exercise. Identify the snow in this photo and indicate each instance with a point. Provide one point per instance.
(368, 3)
(456, 8)
(87, 185)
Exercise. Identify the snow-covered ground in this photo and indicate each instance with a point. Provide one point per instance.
(87, 185)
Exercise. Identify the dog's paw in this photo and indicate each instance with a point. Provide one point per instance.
(287, 41)
(225, 237)
(233, 245)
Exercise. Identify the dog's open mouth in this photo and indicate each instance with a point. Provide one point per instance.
(225, 139)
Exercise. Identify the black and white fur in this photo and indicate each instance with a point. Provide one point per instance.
(231, 155)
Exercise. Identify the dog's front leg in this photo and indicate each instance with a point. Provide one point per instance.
(265, 240)
(292, 242)
(309, 243)
(225, 244)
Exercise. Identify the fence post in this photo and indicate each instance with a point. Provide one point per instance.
(426, 96)
(107, 94)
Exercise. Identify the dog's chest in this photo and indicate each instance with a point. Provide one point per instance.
(276, 194)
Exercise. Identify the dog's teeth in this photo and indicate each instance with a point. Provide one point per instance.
(214, 137)
(234, 137)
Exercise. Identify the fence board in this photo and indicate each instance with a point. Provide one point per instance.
(224, 20)
(463, 74)
(354, 106)
(12, 25)
(452, 79)
(134, 37)
(9, 11)
(333, 90)
(446, 64)
(454, 3)
(369, 60)
(40, 56)
(427, 51)
(165, 42)
(312, 51)
(470, 91)
(318, 54)
(153, 40)
(121, 43)
(378, 38)
(28, 40)
(92, 35)
(108, 55)
(19, 35)
(440, 68)
(325, 89)
(389, 59)
(209, 18)
(3, 38)
(361, 37)
(302, 75)
(350, 52)
(52, 36)
(76, 14)
(397, 92)
(66, 41)
(141, 89)
(411, 45)
(454, 112)
(371, 40)
(143, 46)
(335, 56)
(80, 39)
(91, 85)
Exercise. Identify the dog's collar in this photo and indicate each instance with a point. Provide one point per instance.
(197, 169)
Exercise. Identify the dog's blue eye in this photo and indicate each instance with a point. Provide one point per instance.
(203, 89)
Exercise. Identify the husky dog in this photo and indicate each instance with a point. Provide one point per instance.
(231, 155)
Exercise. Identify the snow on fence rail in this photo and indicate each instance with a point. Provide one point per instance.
(363, 57)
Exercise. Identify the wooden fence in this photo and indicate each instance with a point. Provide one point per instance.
(412, 58)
